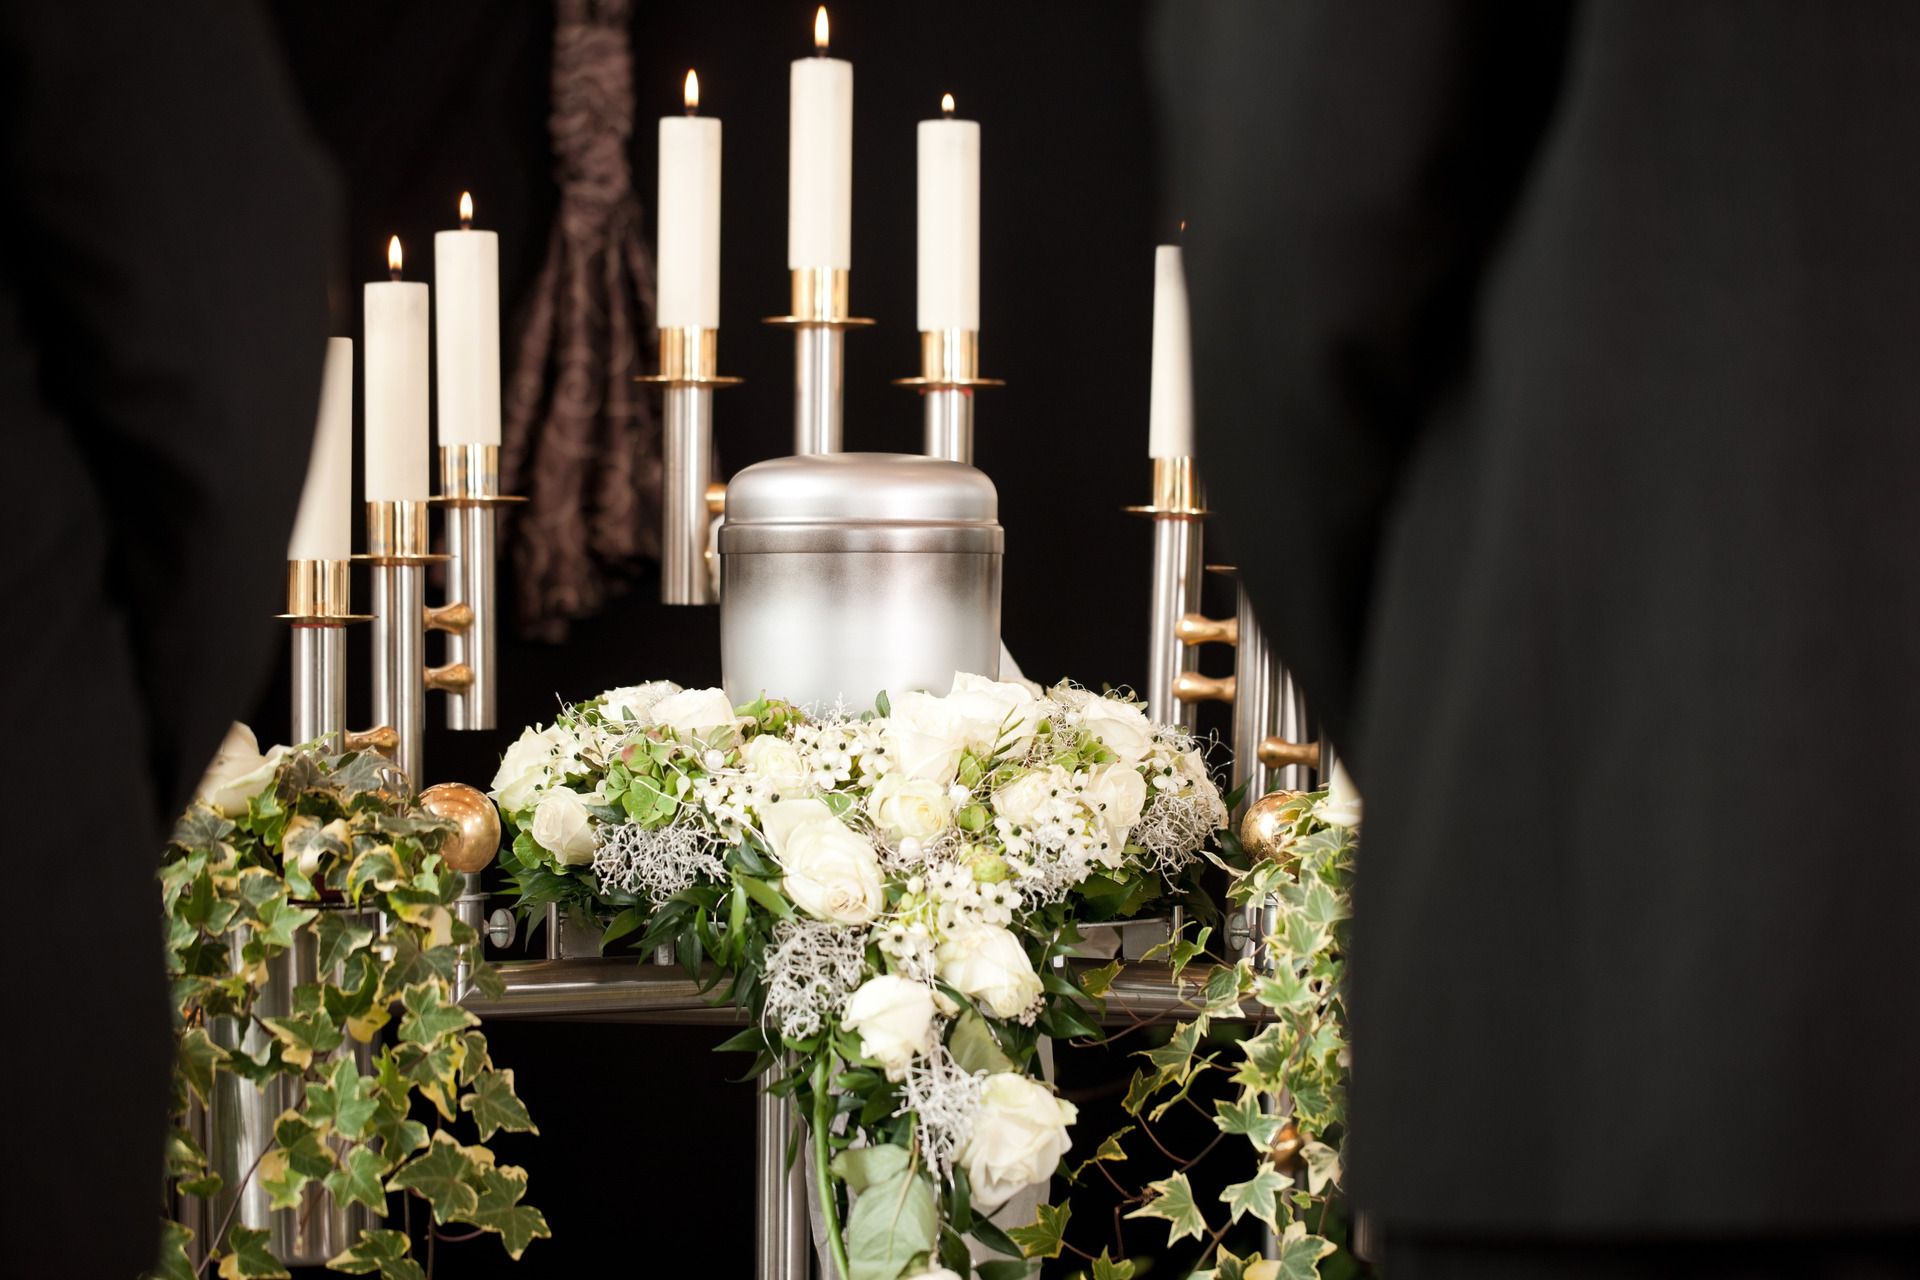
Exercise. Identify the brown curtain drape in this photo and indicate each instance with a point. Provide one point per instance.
(580, 438)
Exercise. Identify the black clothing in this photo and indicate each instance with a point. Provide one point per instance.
(162, 324)
(1868, 1257)
(1555, 381)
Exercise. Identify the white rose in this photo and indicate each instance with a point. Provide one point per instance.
(922, 736)
(635, 701)
(909, 807)
(1340, 807)
(238, 772)
(1022, 801)
(1019, 1135)
(994, 712)
(694, 712)
(776, 764)
(894, 1020)
(988, 963)
(562, 826)
(1116, 793)
(831, 872)
(523, 771)
(1121, 726)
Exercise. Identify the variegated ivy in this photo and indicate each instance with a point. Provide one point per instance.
(326, 833)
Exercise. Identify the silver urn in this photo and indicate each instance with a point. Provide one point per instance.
(845, 574)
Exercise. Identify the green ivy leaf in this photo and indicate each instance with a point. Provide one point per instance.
(358, 1179)
(399, 1136)
(173, 1262)
(198, 1056)
(1258, 1195)
(441, 1178)
(376, 868)
(1097, 982)
(248, 1257)
(301, 1039)
(1173, 1201)
(428, 1017)
(1323, 1165)
(382, 1251)
(1105, 1268)
(1173, 1061)
(495, 1106)
(1300, 1254)
(200, 828)
(346, 1102)
(339, 935)
(1042, 1238)
(499, 1209)
(1140, 1091)
(1246, 1117)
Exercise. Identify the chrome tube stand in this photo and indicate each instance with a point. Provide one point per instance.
(784, 1247)
(319, 607)
(397, 548)
(688, 360)
(819, 318)
(470, 495)
(1176, 511)
(949, 375)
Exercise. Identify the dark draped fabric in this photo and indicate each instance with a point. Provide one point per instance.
(580, 439)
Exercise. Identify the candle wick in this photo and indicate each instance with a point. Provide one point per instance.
(393, 273)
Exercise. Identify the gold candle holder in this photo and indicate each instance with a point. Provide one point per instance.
(819, 315)
(319, 607)
(470, 495)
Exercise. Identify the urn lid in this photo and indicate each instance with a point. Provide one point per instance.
(861, 489)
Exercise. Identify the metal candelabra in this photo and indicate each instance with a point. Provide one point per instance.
(1176, 511)
(819, 318)
(688, 360)
(949, 375)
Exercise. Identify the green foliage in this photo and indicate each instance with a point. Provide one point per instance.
(1173, 1201)
(318, 853)
(1042, 1238)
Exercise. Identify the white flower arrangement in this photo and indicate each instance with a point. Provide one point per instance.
(888, 894)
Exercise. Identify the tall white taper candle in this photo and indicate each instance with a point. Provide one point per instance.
(688, 295)
(323, 526)
(820, 158)
(949, 275)
(396, 386)
(1170, 405)
(466, 272)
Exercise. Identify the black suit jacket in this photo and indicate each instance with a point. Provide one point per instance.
(1556, 381)
(163, 248)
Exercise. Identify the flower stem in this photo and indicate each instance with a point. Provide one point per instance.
(822, 1172)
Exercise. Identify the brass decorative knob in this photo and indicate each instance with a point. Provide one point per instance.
(477, 824)
(716, 497)
(1278, 753)
(450, 678)
(383, 738)
(1197, 628)
(1191, 686)
(1265, 830)
(457, 616)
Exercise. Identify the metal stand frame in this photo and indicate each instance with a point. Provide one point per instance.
(819, 319)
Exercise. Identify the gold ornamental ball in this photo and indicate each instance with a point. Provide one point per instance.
(476, 837)
(1265, 832)
(1285, 1149)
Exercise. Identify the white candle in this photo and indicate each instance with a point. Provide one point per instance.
(949, 295)
(396, 386)
(688, 289)
(323, 527)
(820, 159)
(466, 272)
(1170, 406)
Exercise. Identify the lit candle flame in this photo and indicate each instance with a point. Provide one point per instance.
(820, 29)
(946, 104)
(466, 212)
(692, 92)
(393, 256)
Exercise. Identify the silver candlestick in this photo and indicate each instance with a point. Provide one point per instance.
(470, 494)
(949, 375)
(319, 607)
(688, 362)
(819, 319)
(397, 548)
(1176, 511)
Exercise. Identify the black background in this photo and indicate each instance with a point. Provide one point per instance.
(645, 1148)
